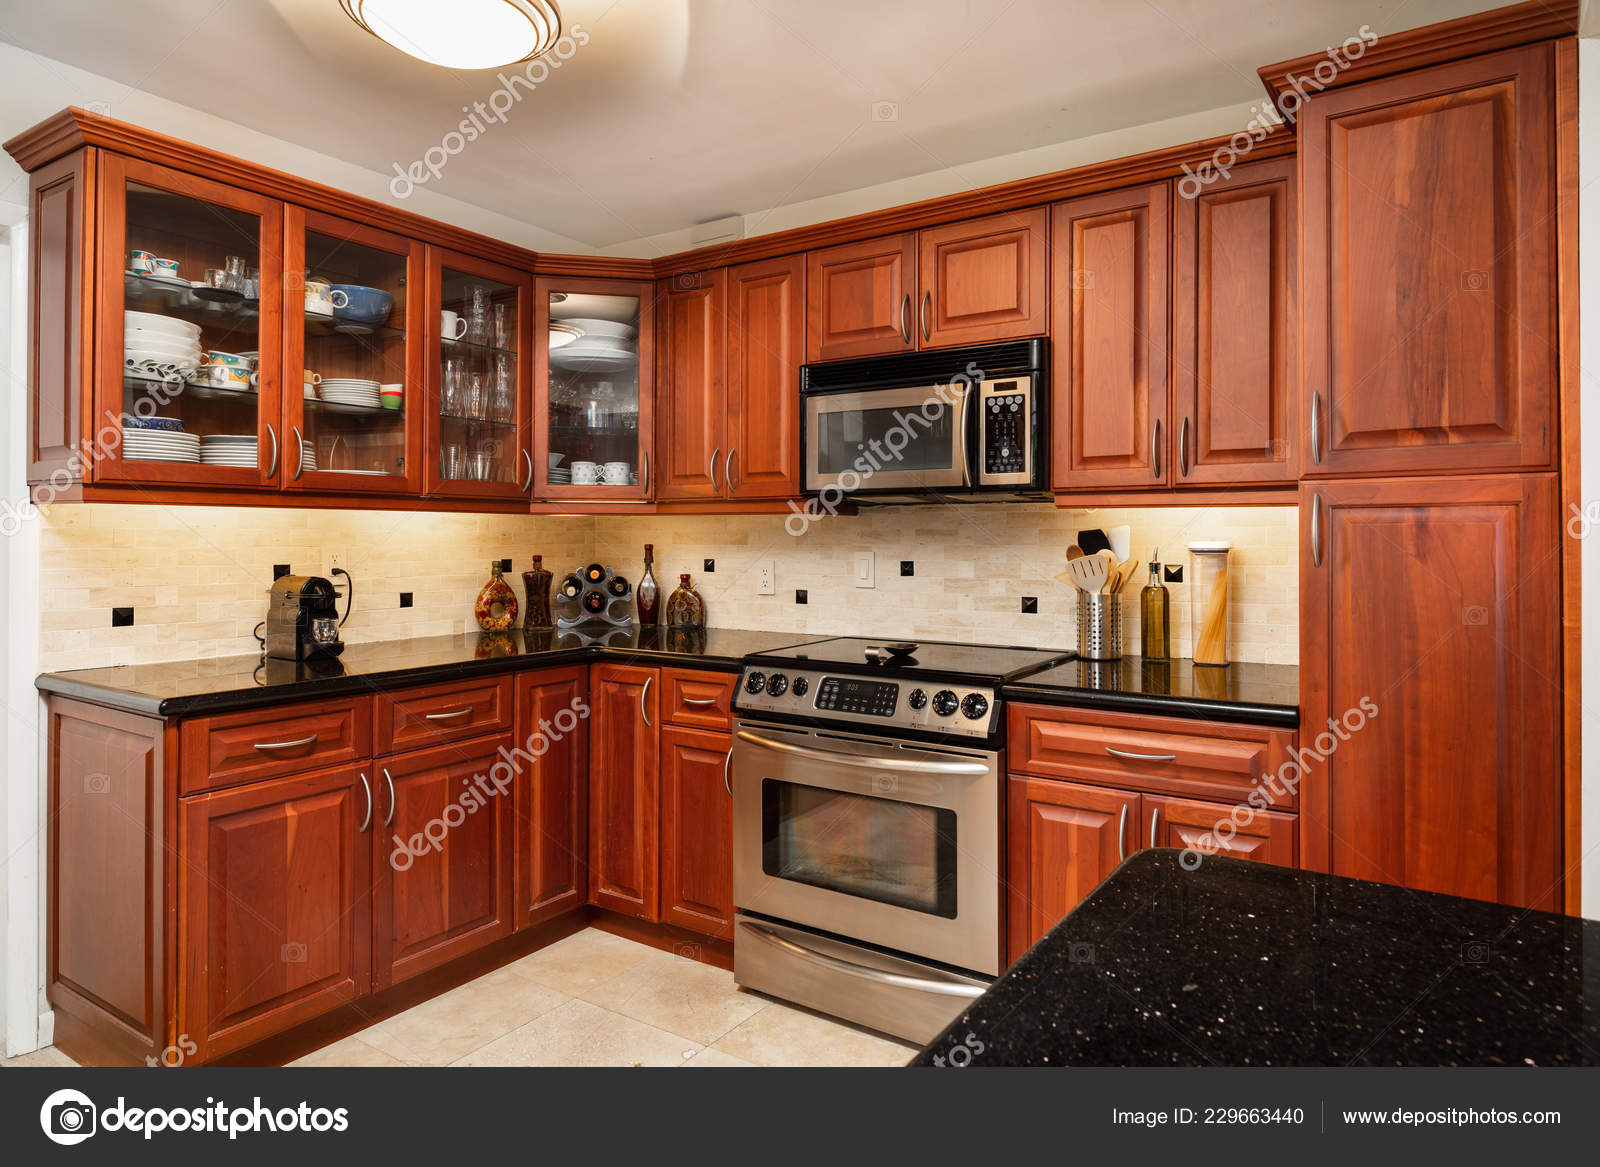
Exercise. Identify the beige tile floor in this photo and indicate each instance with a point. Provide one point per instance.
(595, 999)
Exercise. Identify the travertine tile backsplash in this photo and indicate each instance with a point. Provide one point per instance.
(197, 576)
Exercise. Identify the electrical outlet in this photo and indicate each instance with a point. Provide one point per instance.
(766, 578)
(332, 558)
(863, 572)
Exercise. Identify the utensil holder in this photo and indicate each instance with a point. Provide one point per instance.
(1099, 625)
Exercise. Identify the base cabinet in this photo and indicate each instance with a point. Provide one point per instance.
(1212, 829)
(552, 794)
(696, 831)
(624, 824)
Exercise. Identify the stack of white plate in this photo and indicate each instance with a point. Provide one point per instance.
(159, 446)
(160, 340)
(604, 347)
(560, 474)
(308, 458)
(350, 394)
(229, 450)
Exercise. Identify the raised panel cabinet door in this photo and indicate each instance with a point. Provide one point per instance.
(766, 346)
(1062, 839)
(984, 279)
(1429, 220)
(692, 375)
(859, 298)
(696, 831)
(1109, 310)
(275, 894)
(1212, 828)
(1430, 684)
(444, 864)
(624, 808)
(1234, 324)
(552, 801)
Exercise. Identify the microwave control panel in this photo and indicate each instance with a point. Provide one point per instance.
(1005, 421)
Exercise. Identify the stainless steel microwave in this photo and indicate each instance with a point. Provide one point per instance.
(964, 421)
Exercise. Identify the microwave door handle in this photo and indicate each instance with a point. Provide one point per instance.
(866, 761)
(963, 451)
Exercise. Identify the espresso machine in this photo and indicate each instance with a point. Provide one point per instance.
(303, 618)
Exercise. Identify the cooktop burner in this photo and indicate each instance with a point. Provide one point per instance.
(978, 662)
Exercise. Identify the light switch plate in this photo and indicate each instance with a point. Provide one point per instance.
(863, 572)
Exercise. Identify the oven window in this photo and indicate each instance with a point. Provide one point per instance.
(878, 849)
(918, 442)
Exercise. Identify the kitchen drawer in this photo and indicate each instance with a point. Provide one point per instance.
(234, 748)
(435, 714)
(698, 699)
(1160, 755)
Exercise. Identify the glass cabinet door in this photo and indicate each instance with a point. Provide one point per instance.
(354, 350)
(190, 325)
(592, 416)
(478, 399)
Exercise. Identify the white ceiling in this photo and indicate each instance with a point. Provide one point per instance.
(680, 111)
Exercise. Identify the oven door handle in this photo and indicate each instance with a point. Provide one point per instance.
(906, 766)
(877, 975)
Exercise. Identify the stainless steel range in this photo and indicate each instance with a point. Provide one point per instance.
(867, 796)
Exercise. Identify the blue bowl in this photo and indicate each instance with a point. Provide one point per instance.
(169, 424)
(363, 305)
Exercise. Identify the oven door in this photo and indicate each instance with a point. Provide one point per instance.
(876, 440)
(893, 844)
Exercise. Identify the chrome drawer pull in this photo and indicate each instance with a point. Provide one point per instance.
(1122, 834)
(726, 762)
(294, 745)
(367, 818)
(389, 818)
(1154, 815)
(1141, 757)
(464, 711)
(698, 702)
(643, 693)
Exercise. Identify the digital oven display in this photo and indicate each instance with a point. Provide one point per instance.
(850, 695)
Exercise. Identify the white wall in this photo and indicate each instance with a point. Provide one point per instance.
(1589, 343)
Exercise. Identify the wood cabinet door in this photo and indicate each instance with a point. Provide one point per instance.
(1430, 292)
(276, 907)
(766, 346)
(692, 379)
(696, 831)
(984, 279)
(1234, 326)
(859, 298)
(624, 818)
(1108, 323)
(1430, 684)
(1211, 829)
(1062, 839)
(444, 866)
(552, 801)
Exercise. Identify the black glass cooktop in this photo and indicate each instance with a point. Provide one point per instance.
(977, 662)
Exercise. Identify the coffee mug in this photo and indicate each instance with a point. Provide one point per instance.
(391, 395)
(452, 326)
(229, 376)
(319, 298)
(240, 360)
(618, 473)
(585, 473)
(167, 268)
(143, 262)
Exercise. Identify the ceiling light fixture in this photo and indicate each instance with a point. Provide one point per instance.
(463, 34)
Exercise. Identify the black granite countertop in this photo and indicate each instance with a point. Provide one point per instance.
(1253, 693)
(1247, 964)
(190, 688)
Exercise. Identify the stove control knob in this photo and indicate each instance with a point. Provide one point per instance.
(800, 686)
(917, 699)
(974, 706)
(945, 703)
(777, 685)
(755, 682)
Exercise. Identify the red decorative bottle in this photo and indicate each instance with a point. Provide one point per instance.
(648, 594)
(537, 584)
(496, 608)
(685, 608)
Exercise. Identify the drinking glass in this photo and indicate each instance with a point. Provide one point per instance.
(478, 316)
(502, 327)
(452, 463)
(500, 404)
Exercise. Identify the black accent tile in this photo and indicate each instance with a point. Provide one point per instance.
(908, 567)
(505, 565)
(800, 595)
(122, 617)
(710, 566)
(405, 599)
(279, 570)
(1030, 604)
(1172, 572)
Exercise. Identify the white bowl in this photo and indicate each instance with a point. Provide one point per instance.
(155, 321)
(601, 328)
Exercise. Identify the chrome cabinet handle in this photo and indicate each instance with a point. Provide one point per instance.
(927, 302)
(698, 702)
(300, 452)
(643, 712)
(450, 715)
(294, 745)
(389, 818)
(1316, 429)
(526, 458)
(1316, 529)
(272, 466)
(1122, 834)
(1183, 448)
(366, 819)
(1155, 449)
(647, 471)
(711, 469)
(1154, 815)
(905, 318)
(727, 469)
(878, 975)
(1132, 757)
(726, 762)
(864, 761)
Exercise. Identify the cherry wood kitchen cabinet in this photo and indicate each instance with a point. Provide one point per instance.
(1268, 836)
(1430, 680)
(692, 371)
(696, 831)
(624, 803)
(1234, 329)
(1109, 308)
(858, 298)
(552, 792)
(766, 346)
(1430, 270)
(275, 887)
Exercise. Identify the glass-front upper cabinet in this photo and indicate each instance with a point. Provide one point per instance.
(189, 319)
(353, 357)
(594, 341)
(478, 416)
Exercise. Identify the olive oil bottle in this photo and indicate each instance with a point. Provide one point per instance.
(1155, 639)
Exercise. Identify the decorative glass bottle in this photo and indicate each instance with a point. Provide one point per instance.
(685, 608)
(648, 594)
(1155, 640)
(496, 608)
(536, 584)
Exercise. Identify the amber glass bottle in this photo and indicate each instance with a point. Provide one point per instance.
(685, 608)
(1155, 640)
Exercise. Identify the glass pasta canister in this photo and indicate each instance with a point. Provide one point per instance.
(1208, 601)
